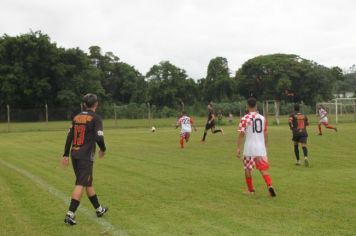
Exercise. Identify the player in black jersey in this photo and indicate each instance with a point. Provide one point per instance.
(210, 124)
(298, 123)
(86, 131)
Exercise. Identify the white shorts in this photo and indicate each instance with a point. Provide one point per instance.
(324, 120)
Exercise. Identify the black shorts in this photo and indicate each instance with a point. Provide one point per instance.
(209, 126)
(300, 138)
(83, 170)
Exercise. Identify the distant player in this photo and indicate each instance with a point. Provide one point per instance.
(210, 124)
(323, 119)
(186, 123)
(85, 133)
(298, 123)
(253, 128)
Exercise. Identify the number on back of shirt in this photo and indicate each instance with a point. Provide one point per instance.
(256, 125)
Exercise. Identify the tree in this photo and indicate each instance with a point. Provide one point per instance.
(218, 85)
(281, 76)
(169, 85)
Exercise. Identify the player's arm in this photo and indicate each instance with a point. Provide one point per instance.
(177, 124)
(99, 136)
(240, 140)
(67, 146)
(265, 133)
(241, 137)
(306, 121)
(212, 118)
(290, 122)
(193, 124)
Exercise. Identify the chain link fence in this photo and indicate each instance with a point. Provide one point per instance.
(139, 115)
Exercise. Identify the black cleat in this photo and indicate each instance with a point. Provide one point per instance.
(70, 219)
(335, 129)
(271, 191)
(102, 212)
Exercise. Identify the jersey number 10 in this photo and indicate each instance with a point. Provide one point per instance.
(256, 125)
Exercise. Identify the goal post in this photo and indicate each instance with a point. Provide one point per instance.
(272, 107)
(343, 110)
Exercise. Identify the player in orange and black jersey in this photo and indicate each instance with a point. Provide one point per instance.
(86, 131)
(298, 123)
(210, 124)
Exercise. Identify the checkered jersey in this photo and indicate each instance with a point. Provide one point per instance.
(254, 125)
(186, 124)
(322, 113)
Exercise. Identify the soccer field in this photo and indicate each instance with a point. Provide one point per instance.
(152, 187)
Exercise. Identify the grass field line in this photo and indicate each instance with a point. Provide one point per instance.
(108, 228)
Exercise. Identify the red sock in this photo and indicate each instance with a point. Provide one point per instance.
(267, 180)
(249, 184)
(329, 127)
(319, 126)
(181, 142)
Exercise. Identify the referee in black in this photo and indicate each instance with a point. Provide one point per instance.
(85, 133)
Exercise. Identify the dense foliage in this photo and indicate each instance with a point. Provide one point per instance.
(34, 71)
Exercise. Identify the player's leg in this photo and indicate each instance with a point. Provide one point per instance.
(305, 152)
(214, 130)
(181, 141)
(248, 165)
(207, 127)
(263, 166)
(76, 194)
(187, 136)
(319, 127)
(296, 151)
(330, 126)
(93, 198)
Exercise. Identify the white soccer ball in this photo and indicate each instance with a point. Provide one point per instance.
(153, 129)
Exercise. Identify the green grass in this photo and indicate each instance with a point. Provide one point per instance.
(154, 188)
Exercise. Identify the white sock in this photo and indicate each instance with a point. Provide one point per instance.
(71, 214)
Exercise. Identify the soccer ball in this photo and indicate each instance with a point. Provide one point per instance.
(153, 129)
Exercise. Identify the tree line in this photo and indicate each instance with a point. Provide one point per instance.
(35, 71)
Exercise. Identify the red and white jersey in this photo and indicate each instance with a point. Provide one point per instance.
(254, 125)
(323, 115)
(186, 124)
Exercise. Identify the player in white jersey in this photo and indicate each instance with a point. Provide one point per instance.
(253, 128)
(186, 123)
(323, 119)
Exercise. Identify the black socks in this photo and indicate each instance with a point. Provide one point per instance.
(94, 201)
(305, 151)
(217, 131)
(296, 151)
(73, 205)
(205, 132)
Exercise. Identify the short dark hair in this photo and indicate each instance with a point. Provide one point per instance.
(90, 99)
(296, 107)
(251, 102)
(184, 113)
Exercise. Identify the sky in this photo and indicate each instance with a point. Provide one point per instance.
(189, 33)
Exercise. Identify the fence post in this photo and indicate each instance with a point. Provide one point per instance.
(115, 114)
(46, 107)
(81, 107)
(8, 117)
(149, 114)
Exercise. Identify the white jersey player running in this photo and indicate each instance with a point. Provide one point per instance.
(253, 128)
(186, 123)
(323, 119)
